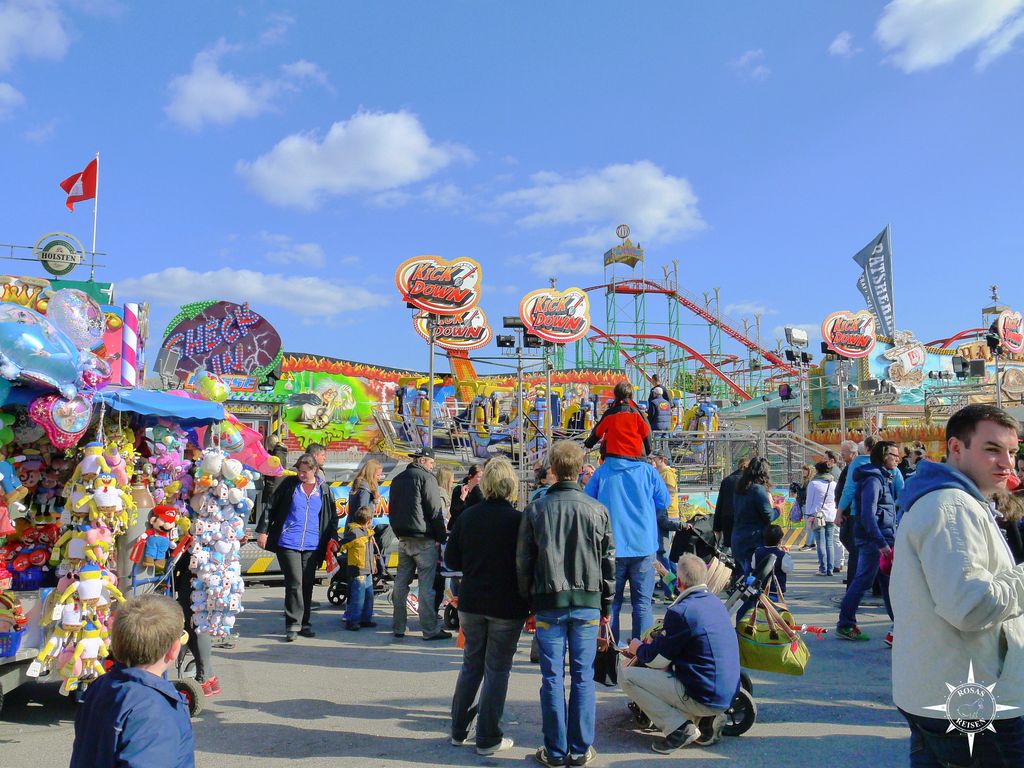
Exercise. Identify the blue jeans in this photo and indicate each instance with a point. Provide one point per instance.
(825, 543)
(360, 599)
(567, 732)
(669, 566)
(867, 571)
(639, 571)
(932, 747)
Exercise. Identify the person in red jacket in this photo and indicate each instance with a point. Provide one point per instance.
(623, 430)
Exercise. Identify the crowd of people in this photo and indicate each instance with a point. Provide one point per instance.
(940, 541)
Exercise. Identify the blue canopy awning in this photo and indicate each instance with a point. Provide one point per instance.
(148, 402)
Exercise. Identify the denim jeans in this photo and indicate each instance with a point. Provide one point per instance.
(825, 539)
(567, 731)
(490, 645)
(932, 747)
(360, 598)
(848, 541)
(299, 569)
(639, 571)
(668, 564)
(867, 571)
(416, 557)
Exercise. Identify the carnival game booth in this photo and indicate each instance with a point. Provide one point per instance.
(83, 467)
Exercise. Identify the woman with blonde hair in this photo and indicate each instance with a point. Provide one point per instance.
(365, 488)
(482, 544)
(445, 483)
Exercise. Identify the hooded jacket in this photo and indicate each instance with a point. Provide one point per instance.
(634, 494)
(876, 517)
(849, 492)
(957, 596)
(659, 413)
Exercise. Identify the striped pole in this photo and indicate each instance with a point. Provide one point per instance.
(130, 346)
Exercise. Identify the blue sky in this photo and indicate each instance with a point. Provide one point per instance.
(295, 153)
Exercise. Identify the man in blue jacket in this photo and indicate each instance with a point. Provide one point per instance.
(636, 497)
(874, 533)
(685, 679)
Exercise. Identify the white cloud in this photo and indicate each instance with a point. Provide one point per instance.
(558, 264)
(922, 34)
(307, 297)
(751, 64)
(33, 29)
(279, 25)
(41, 133)
(444, 195)
(10, 100)
(749, 308)
(283, 250)
(656, 205)
(371, 152)
(843, 46)
(208, 95)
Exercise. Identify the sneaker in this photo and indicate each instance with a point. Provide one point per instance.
(851, 633)
(542, 757)
(824, 573)
(351, 626)
(460, 742)
(888, 639)
(585, 759)
(710, 730)
(501, 746)
(307, 632)
(210, 687)
(398, 634)
(368, 624)
(442, 635)
(685, 734)
(290, 636)
(806, 547)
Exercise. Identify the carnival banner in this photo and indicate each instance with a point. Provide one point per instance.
(850, 334)
(556, 316)
(463, 332)
(439, 286)
(627, 253)
(228, 340)
(875, 283)
(1010, 326)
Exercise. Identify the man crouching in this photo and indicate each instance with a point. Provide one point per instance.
(684, 679)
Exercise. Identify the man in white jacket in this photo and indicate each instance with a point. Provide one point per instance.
(958, 599)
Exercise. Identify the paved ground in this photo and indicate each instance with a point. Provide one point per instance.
(357, 699)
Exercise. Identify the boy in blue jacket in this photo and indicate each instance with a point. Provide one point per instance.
(684, 679)
(132, 717)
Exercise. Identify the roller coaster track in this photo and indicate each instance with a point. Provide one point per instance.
(742, 393)
(637, 286)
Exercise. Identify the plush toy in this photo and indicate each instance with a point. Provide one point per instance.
(90, 648)
(152, 546)
(92, 581)
(91, 464)
(107, 505)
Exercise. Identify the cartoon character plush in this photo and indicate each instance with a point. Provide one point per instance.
(91, 464)
(152, 546)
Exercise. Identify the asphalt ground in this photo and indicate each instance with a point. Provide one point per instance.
(367, 698)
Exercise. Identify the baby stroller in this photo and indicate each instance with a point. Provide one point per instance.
(383, 579)
(185, 665)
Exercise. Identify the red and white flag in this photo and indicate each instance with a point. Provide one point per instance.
(81, 186)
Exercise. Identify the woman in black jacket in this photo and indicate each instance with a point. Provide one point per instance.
(482, 544)
(297, 526)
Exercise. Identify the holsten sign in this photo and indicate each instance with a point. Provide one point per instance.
(556, 316)
(851, 334)
(438, 286)
(463, 332)
(1011, 331)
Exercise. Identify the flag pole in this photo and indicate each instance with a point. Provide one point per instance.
(95, 207)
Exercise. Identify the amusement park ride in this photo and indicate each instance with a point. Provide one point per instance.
(653, 334)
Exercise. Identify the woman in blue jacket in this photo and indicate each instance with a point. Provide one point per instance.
(752, 512)
(874, 533)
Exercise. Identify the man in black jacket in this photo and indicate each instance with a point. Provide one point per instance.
(565, 562)
(415, 511)
(722, 524)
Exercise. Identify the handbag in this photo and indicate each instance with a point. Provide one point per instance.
(606, 662)
(772, 646)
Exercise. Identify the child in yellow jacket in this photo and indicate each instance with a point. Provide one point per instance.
(357, 545)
